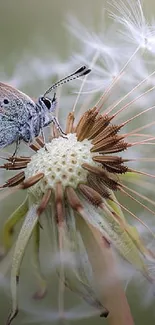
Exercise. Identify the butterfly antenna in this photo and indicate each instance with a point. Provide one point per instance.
(83, 71)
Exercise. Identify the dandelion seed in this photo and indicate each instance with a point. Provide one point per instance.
(130, 14)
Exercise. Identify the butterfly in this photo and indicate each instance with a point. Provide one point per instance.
(23, 119)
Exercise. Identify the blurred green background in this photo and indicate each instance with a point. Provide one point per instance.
(35, 29)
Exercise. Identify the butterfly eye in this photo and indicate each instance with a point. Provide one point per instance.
(6, 101)
(47, 102)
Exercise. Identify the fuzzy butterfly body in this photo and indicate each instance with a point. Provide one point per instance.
(23, 119)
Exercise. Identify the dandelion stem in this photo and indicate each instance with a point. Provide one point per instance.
(107, 281)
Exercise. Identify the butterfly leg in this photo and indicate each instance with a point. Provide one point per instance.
(43, 137)
(58, 126)
(16, 150)
(55, 120)
(42, 133)
(54, 103)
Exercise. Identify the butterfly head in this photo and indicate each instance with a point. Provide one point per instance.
(48, 104)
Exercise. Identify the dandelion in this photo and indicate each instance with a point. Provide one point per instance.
(77, 188)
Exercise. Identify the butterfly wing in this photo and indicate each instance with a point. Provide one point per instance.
(14, 103)
(16, 108)
(9, 131)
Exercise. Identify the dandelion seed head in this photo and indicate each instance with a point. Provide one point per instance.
(61, 162)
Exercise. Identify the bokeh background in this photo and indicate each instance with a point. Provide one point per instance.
(33, 38)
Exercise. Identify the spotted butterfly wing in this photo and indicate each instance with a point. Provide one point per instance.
(15, 109)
